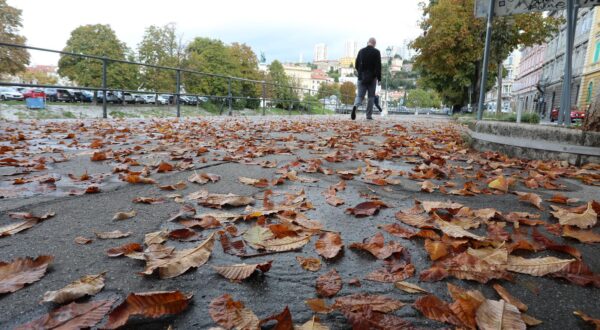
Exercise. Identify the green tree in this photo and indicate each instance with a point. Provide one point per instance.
(98, 40)
(12, 60)
(246, 63)
(348, 92)
(214, 57)
(279, 85)
(450, 50)
(160, 46)
(37, 77)
(421, 98)
(328, 89)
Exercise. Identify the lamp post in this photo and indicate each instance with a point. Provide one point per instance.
(388, 52)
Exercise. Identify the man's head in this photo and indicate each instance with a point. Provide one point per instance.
(372, 42)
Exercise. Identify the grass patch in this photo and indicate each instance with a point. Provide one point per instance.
(69, 114)
(529, 117)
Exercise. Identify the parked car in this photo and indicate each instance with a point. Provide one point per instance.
(83, 96)
(34, 93)
(150, 98)
(576, 114)
(164, 99)
(111, 97)
(59, 95)
(139, 99)
(125, 97)
(188, 100)
(7, 93)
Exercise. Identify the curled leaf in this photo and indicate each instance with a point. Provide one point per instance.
(124, 215)
(15, 275)
(232, 314)
(329, 284)
(239, 272)
(329, 245)
(311, 264)
(73, 315)
(88, 285)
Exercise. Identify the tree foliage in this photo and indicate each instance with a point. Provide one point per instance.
(37, 77)
(422, 98)
(12, 60)
(450, 51)
(348, 92)
(327, 90)
(162, 47)
(211, 56)
(278, 85)
(98, 40)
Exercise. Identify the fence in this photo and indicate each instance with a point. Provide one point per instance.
(270, 93)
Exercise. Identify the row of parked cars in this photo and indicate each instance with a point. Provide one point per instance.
(83, 96)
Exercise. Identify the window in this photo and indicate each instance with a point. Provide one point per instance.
(590, 90)
(597, 52)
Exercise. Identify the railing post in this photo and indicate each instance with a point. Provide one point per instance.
(229, 95)
(178, 89)
(264, 97)
(104, 110)
(291, 101)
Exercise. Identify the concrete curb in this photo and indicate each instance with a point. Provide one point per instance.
(536, 142)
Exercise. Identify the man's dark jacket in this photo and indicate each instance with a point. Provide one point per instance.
(368, 65)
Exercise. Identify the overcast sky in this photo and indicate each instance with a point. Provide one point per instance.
(281, 29)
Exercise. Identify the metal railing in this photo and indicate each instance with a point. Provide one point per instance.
(266, 88)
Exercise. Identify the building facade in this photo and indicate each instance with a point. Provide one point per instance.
(320, 53)
(590, 80)
(511, 66)
(554, 61)
(526, 91)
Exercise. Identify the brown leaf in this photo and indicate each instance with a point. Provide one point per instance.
(124, 215)
(14, 275)
(376, 246)
(456, 231)
(164, 167)
(72, 316)
(124, 249)
(365, 318)
(530, 320)
(99, 156)
(202, 178)
(312, 324)
(415, 220)
(30, 216)
(537, 266)
(184, 235)
(435, 309)
(501, 183)
(220, 200)
(579, 273)
(436, 249)
(318, 305)
(409, 287)
(112, 234)
(386, 275)
(136, 178)
(504, 294)
(467, 267)
(329, 284)
(232, 314)
(583, 220)
(178, 186)
(284, 320)
(531, 198)
(433, 274)
(83, 240)
(584, 236)
(149, 200)
(465, 304)
(331, 197)
(329, 245)
(258, 183)
(589, 319)
(430, 206)
(499, 315)
(399, 231)
(239, 272)
(88, 285)
(311, 264)
(378, 303)
(562, 199)
(181, 261)
(148, 304)
(14, 228)
(366, 208)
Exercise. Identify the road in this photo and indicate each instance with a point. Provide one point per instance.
(231, 144)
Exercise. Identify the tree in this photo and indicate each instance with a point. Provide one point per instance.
(328, 89)
(12, 60)
(162, 47)
(450, 51)
(279, 85)
(421, 98)
(246, 63)
(348, 92)
(98, 40)
(30, 76)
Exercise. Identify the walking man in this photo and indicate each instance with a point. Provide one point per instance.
(368, 65)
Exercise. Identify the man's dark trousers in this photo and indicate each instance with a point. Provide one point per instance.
(364, 89)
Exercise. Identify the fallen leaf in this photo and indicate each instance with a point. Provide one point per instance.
(220, 200)
(415, 220)
(435, 309)
(435, 249)
(501, 183)
(428, 186)
(14, 275)
(377, 303)
(387, 275)
(312, 324)
(148, 304)
(181, 261)
(178, 186)
(584, 236)
(112, 234)
(202, 178)
(124, 250)
(258, 183)
(365, 317)
(284, 320)
(530, 320)
(537, 266)
(124, 215)
(562, 199)
(399, 231)
(239, 272)
(504, 294)
(584, 220)
(530, 198)
(329, 284)
(72, 316)
(499, 315)
(318, 305)
(88, 285)
(14, 228)
(184, 235)
(409, 287)
(589, 319)
(232, 314)
(164, 167)
(329, 245)
(311, 264)
(83, 240)
(377, 247)
(149, 200)
(99, 156)
(136, 178)
(430, 206)
(366, 208)
(456, 231)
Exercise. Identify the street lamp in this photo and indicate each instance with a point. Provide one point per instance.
(388, 52)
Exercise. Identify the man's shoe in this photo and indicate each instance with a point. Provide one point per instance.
(353, 114)
(369, 118)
